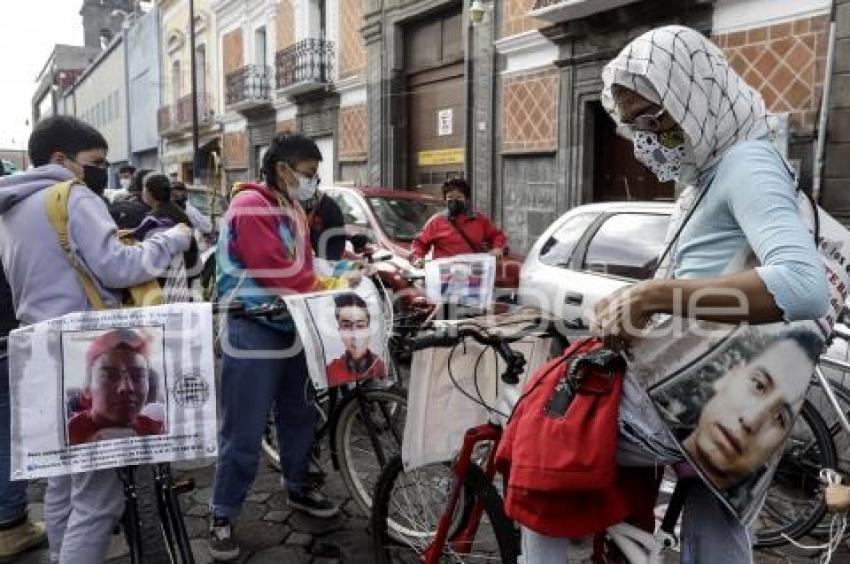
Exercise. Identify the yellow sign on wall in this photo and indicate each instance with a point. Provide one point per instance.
(441, 157)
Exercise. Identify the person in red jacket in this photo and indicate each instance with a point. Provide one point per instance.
(357, 362)
(458, 230)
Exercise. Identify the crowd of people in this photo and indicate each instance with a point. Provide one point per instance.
(273, 230)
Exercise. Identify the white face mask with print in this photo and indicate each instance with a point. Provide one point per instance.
(664, 162)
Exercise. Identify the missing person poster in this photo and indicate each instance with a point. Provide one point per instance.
(463, 279)
(343, 334)
(734, 407)
(730, 394)
(101, 390)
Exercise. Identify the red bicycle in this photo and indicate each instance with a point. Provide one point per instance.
(452, 513)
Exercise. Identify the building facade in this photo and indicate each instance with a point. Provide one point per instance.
(408, 93)
(512, 103)
(175, 116)
(99, 97)
(63, 66)
(143, 45)
(293, 65)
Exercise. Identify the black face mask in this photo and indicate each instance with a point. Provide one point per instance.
(181, 202)
(456, 207)
(96, 178)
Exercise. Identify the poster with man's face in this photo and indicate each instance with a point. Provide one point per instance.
(115, 384)
(343, 335)
(106, 389)
(734, 408)
(464, 279)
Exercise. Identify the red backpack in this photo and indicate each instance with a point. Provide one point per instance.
(559, 448)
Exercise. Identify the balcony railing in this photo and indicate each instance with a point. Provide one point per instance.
(247, 87)
(176, 117)
(564, 10)
(304, 66)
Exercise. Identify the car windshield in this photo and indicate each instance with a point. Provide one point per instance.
(402, 218)
(202, 200)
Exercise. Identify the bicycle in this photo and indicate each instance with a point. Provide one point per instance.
(467, 522)
(152, 521)
(475, 527)
(363, 424)
(795, 507)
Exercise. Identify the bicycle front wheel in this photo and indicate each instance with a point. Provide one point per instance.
(153, 535)
(795, 504)
(408, 506)
(367, 433)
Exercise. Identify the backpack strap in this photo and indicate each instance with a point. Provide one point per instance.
(463, 235)
(56, 206)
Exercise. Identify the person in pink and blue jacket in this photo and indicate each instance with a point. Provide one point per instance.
(264, 253)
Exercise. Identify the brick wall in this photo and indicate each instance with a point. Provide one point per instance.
(235, 150)
(515, 18)
(353, 133)
(285, 24)
(232, 51)
(785, 62)
(352, 49)
(530, 112)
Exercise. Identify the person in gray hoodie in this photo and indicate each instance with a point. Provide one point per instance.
(82, 509)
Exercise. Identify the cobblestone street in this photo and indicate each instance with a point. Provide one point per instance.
(270, 533)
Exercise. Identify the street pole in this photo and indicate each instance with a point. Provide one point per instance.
(196, 158)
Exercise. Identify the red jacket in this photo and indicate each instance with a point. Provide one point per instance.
(339, 373)
(81, 427)
(447, 242)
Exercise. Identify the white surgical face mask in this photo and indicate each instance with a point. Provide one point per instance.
(306, 187)
(664, 162)
(124, 182)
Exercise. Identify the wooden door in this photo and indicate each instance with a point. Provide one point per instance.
(436, 102)
(617, 175)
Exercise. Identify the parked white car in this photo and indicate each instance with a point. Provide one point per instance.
(589, 252)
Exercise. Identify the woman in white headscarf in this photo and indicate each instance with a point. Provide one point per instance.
(693, 119)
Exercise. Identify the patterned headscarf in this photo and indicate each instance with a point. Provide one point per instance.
(688, 75)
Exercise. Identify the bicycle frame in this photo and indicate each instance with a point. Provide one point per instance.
(827, 387)
(461, 542)
(168, 507)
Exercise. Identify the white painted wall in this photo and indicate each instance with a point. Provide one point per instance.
(100, 99)
(734, 15)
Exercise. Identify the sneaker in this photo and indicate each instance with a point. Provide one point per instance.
(21, 538)
(222, 544)
(313, 502)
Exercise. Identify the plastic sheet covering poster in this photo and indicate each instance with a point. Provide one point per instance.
(106, 389)
(462, 279)
(343, 334)
(731, 394)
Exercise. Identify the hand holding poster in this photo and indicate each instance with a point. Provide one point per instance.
(343, 334)
(463, 279)
(107, 389)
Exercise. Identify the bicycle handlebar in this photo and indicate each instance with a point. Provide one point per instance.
(273, 309)
(514, 360)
